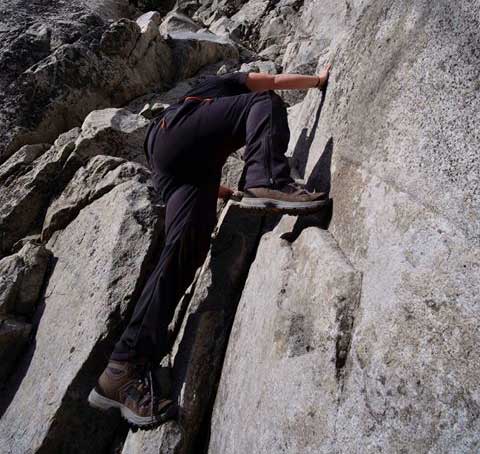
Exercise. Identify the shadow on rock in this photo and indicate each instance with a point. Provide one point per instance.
(305, 140)
(319, 180)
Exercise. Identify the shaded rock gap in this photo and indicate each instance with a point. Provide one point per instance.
(203, 438)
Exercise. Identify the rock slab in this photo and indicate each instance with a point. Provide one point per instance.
(284, 366)
(99, 259)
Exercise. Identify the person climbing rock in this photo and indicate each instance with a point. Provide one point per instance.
(186, 147)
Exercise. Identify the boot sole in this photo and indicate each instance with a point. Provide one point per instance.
(103, 403)
(281, 206)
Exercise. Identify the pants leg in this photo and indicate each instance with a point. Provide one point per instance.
(257, 120)
(189, 222)
(267, 137)
(186, 160)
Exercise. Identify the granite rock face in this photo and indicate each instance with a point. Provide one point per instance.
(21, 279)
(30, 31)
(360, 339)
(393, 142)
(26, 193)
(198, 49)
(402, 172)
(99, 259)
(285, 361)
(116, 132)
(99, 176)
(129, 59)
(57, 93)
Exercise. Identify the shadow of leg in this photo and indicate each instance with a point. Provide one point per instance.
(302, 147)
(319, 180)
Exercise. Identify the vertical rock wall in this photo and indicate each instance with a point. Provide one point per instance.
(360, 339)
(394, 138)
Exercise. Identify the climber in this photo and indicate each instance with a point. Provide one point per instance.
(186, 147)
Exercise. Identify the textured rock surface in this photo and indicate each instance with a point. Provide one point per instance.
(24, 198)
(287, 377)
(56, 93)
(27, 191)
(402, 172)
(395, 141)
(100, 257)
(200, 345)
(17, 164)
(30, 31)
(165, 439)
(13, 338)
(116, 132)
(130, 59)
(195, 50)
(21, 279)
(100, 175)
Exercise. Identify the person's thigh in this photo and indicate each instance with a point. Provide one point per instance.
(196, 143)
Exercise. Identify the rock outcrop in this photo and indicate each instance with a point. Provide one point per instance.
(391, 138)
(95, 279)
(354, 330)
(288, 376)
(130, 59)
(21, 279)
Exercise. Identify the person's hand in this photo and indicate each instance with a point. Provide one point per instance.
(224, 193)
(323, 76)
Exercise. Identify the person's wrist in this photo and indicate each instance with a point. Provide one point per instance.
(317, 85)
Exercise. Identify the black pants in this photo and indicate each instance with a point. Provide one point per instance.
(187, 147)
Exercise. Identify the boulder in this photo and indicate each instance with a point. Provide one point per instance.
(227, 27)
(177, 22)
(211, 10)
(149, 21)
(28, 189)
(113, 132)
(101, 259)
(58, 92)
(300, 300)
(24, 198)
(200, 345)
(251, 12)
(191, 51)
(147, 105)
(99, 176)
(21, 279)
(260, 66)
(20, 162)
(30, 34)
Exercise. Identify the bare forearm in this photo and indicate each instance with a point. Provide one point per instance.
(263, 81)
(293, 82)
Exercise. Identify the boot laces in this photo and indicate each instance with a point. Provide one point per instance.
(145, 382)
(298, 188)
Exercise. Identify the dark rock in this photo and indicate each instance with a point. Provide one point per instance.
(14, 336)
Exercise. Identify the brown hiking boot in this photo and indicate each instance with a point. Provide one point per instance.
(129, 386)
(292, 198)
